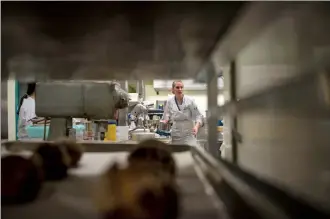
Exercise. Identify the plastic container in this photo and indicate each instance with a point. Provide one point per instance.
(37, 131)
(112, 131)
(79, 134)
(122, 133)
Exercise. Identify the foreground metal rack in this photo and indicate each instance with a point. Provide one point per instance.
(274, 57)
(278, 95)
(210, 189)
(72, 197)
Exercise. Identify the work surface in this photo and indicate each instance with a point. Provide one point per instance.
(71, 198)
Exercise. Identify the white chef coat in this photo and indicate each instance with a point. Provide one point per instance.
(183, 119)
(26, 113)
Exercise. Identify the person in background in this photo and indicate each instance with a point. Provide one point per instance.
(185, 115)
(26, 111)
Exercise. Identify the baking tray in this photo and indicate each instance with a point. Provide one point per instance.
(71, 198)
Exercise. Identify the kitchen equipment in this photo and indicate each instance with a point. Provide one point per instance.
(122, 132)
(102, 136)
(134, 97)
(88, 134)
(77, 99)
(164, 126)
(139, 116)
(160, 104)
(71, 133)
(164, 139)
(140, 136)
(153, 123)
(163, 133)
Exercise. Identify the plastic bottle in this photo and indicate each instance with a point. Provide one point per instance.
(112, 131)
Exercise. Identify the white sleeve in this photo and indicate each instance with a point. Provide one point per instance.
(199, 116)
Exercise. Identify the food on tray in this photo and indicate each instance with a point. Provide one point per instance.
(74, 150)
(154, 150)
(142, 190)
(21, 180)
(55, 160)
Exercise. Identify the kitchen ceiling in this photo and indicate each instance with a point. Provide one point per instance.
(110, 40)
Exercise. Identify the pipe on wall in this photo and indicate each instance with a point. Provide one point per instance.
(142, 91)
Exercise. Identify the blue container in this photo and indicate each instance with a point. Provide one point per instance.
(112, 122)
(38, 131)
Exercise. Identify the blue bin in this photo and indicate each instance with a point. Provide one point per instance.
(38, 131)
